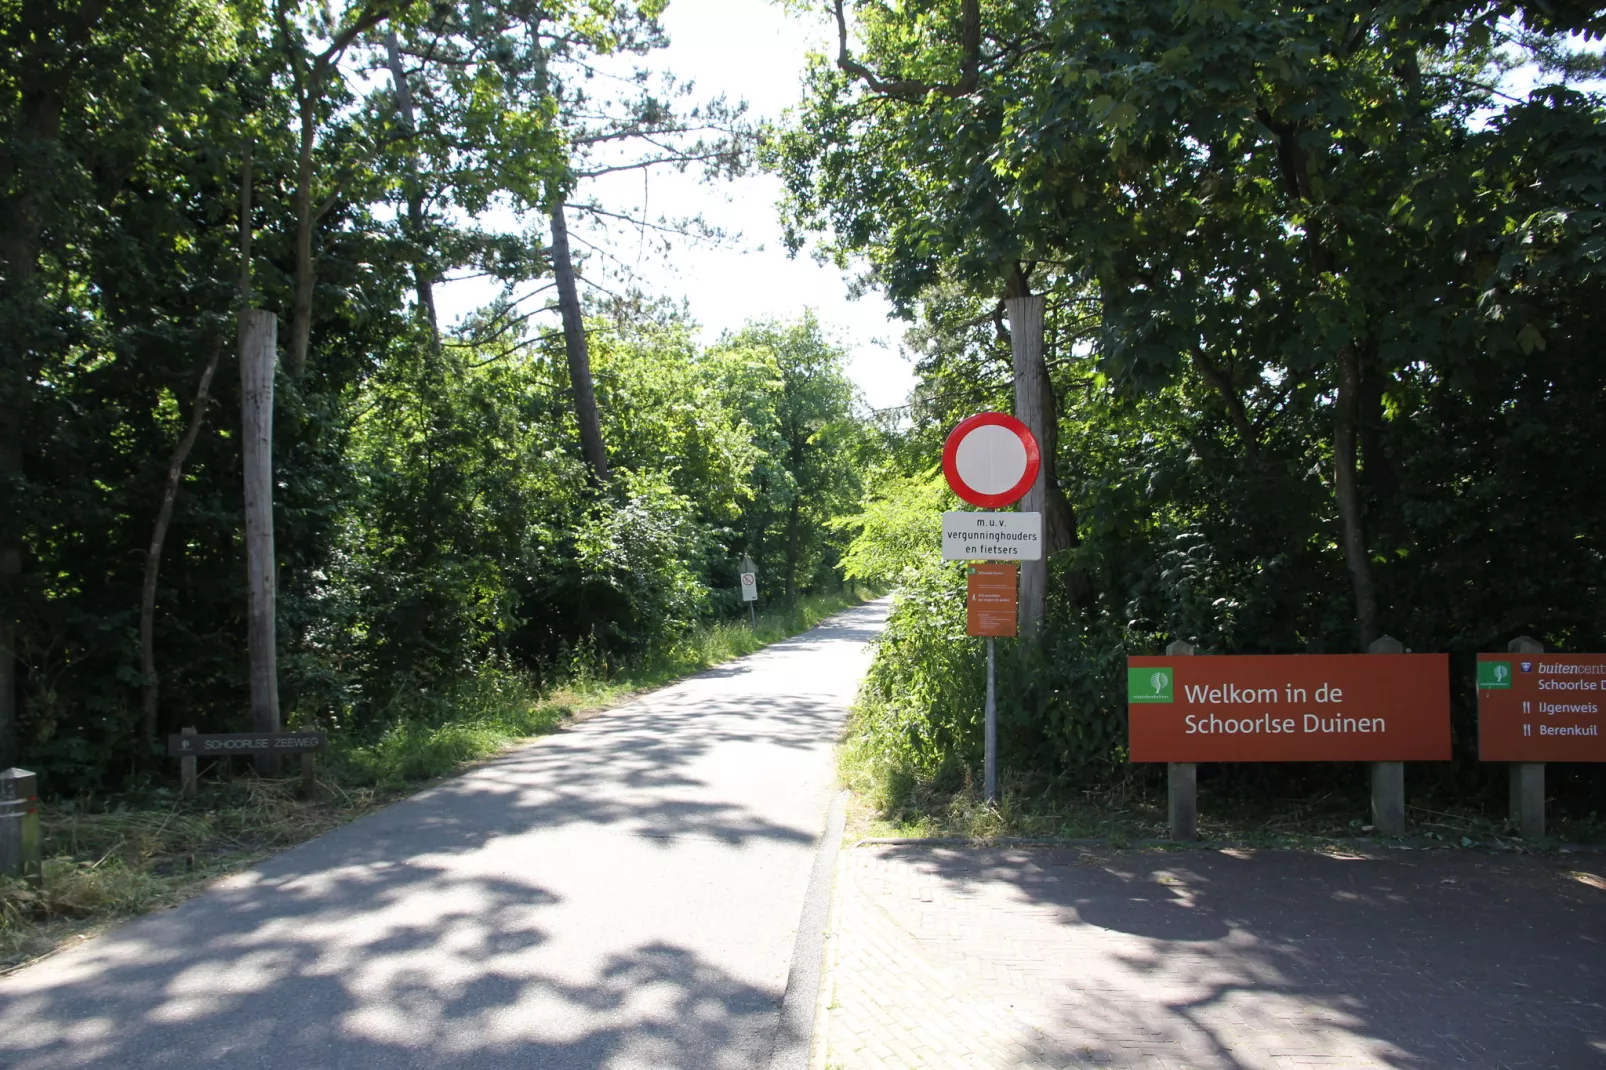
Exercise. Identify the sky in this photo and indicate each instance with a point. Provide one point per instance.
(748, 50)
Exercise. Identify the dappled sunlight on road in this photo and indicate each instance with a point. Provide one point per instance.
(621, 894)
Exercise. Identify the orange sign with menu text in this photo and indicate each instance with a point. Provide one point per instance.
(1289, 708)
(1542, 707)
(990, 598)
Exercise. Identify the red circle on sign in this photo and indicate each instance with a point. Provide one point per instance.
(958, 468)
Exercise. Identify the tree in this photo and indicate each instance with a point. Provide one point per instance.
(890, 155)
(787, 381)
(1231, 183)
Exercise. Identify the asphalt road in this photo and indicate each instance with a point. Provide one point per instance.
(625, 893)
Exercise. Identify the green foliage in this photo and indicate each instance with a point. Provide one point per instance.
(1279, 245)
(898, 527)
(108, 858)
(435, 527)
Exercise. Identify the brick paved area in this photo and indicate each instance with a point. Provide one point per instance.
(943, 957)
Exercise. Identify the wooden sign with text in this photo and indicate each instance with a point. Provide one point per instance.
(1289, 708)
(222, 743)
(1542, 707)
(991, 596)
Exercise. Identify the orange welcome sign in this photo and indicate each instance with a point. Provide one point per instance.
(1542, 707)
(1289, 708)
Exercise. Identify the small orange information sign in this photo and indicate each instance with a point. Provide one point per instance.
(1542, 707)
(1289, 708)
(990, 603)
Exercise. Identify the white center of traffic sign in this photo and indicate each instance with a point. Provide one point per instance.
(991, 459)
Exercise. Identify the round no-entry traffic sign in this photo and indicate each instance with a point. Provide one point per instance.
(991, 459)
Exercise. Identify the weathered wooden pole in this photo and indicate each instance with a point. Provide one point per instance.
(1182, 778)
(186, 770)
(1527, 803)
(1388, 778)
(574, 347)
(1025, 311)
(259, 335)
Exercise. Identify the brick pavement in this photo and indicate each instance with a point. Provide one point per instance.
(1213, 960)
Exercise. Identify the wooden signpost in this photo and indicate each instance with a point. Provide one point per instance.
(1384, 708)
(1535, 708)
(188, 746)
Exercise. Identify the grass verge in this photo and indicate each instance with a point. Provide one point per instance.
(1131, 809)
(108, 859)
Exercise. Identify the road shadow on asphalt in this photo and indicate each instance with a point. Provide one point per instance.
(400, 941)
(1247, 959)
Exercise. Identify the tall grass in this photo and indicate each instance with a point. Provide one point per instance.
(434, 735)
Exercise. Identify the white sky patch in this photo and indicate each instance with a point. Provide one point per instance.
(748, 50)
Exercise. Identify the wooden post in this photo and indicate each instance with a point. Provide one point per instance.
(1182, 778)
(309, 775)
(1388, 778)
(259, 333)
(1025, 314)
(1528, 778)
(186, 770)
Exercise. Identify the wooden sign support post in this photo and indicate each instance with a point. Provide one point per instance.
(1528, 778)
(1182, 778)
(1288, 708)
(1388, 778)
(186, 771)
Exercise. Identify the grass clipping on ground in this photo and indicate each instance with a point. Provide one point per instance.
(110, 859)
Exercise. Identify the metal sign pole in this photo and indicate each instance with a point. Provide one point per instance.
(990, 759)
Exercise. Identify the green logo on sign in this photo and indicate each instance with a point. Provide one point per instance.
(1148, 685)
(1493, 674)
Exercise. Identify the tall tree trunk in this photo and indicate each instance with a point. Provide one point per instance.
(10, 572)
(1376, 468)
(43, 81)
(13, 395)
(574, 345)
(258, 340)
(1346, 490)
(423, 277)
(1034, 407)
(301, 309)
(1221, 379)
(792, 552)
(153, 555)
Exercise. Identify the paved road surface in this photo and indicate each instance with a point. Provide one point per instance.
(1031, 959)
(622, 894)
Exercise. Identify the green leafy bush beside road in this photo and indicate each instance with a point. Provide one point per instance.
(1304, 301)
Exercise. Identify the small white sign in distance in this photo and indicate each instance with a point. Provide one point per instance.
(749, 587)
(992, 536)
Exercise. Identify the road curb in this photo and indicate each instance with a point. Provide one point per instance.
(794, 1034)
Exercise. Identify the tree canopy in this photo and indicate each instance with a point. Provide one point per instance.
(164, 166)
(1320, 298)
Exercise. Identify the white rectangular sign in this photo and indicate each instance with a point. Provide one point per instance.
(992, 536)
(750, 587)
